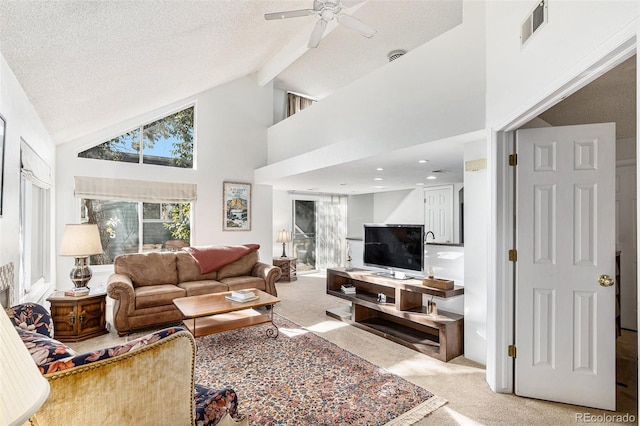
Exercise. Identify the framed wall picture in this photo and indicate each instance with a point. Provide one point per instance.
(236, 206)
(3, 138)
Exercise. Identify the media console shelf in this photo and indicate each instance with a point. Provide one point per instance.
(402, 318)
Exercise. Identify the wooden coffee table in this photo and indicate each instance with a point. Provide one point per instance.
(213, 313)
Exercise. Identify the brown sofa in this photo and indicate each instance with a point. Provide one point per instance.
(144, 285)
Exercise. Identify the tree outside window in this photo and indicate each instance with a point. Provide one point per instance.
(164, 226)
(164, 142)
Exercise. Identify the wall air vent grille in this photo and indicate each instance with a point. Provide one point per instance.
(534, 22)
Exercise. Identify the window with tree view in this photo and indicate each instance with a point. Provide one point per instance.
(165, 142)
(164, 226)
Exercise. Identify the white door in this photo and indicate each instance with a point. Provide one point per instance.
(438, 213)
(565, 326)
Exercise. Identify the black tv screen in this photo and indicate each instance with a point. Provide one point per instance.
(396, 247)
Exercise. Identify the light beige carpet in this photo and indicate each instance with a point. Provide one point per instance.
(461, 382)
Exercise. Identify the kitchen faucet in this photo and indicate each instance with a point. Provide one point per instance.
(427, 234)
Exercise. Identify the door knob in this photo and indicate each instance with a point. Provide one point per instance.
(605, 281)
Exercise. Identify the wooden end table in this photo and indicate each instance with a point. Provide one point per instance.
(214, 313)
(288, 267)
(77, 318)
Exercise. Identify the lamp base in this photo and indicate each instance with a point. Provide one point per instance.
(81, 273)
(283, 253)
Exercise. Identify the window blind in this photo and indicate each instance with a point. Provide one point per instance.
(33, 168)
(134, 190)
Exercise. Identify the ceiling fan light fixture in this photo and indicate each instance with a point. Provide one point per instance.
(327, 10)
(395, 54)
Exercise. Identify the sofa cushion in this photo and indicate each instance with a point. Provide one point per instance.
(157, 295)
(148, 269)
(196, 288)
(189, 270)
(242, 266)
(44, 349)
(239, 283)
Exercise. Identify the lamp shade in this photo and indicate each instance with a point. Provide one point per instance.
(284, 237)
(80, 240)
(24, 389)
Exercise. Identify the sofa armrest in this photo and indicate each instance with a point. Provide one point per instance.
(120, 288)
(269, 273)
(132, 386)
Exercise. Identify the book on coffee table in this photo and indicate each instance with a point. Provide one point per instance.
(242, 296)
(235, 299)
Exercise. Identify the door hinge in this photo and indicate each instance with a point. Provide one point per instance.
(512, 351)
(513, 159)
(513, 255)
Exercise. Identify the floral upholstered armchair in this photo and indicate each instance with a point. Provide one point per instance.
(147, 381)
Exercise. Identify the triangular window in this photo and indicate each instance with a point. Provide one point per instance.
(165, 142)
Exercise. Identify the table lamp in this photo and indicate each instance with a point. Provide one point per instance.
(80, 241)
(284, 237)
(24, 389)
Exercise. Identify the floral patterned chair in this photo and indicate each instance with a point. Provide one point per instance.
(147, 381)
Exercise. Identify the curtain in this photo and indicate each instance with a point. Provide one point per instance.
(296, 103)
(134, 190)
(33, 168)
(331, 237)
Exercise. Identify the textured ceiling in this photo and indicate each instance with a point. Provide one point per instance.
(610, 98)
(87, 65)
(345, 57)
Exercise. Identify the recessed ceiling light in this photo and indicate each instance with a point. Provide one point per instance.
(380, 187)
(431, 177)
(419, 183)
(422, 161)
(379, 169)
(378, 178)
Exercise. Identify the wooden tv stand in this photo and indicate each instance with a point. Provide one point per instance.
(403, 318)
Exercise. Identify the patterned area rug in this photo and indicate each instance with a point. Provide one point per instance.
(300, 378)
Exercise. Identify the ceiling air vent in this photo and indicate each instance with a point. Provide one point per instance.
(395, 54)
(534, 22)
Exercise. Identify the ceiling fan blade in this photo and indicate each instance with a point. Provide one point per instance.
(356, 25)
(350, 3)
(316, 35)
(289, 14)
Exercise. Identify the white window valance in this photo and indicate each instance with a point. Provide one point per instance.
(134, 190)
(33, 168)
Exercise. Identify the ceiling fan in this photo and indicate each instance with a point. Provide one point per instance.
(327, 10)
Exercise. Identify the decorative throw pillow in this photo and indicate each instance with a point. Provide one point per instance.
(44, 349)
(213, 258)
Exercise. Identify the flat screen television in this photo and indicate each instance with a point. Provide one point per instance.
(398, 248)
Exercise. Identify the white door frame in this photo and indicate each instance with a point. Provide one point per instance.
(500, 282)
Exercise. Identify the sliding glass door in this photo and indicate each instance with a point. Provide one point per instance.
(304, 234)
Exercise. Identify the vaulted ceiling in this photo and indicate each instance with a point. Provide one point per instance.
(87, 65)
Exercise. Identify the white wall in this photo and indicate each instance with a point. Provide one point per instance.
(476, 218)
(231, 122)
(518, 77)
(282, 219)
(403, 207)
(359, 212)
(22, 122)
